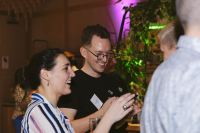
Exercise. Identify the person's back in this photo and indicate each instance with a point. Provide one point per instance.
(172, 100)
(170, 93)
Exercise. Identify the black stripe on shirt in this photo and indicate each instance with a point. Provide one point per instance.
(54, 117)
(48, 118)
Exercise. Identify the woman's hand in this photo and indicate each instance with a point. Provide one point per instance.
(107, 105)
(120, 107)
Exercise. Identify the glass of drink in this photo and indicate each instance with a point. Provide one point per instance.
(93, 122)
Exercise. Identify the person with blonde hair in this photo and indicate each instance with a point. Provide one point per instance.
(167, 39)
(172, 99)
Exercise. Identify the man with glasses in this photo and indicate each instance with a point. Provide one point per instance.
(92, 90)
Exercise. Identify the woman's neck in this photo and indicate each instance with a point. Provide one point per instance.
(49, 95)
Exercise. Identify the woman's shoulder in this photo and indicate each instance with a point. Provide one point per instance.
(34, 106)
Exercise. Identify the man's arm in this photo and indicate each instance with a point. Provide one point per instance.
(82, 125)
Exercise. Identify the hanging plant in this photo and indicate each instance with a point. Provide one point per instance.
(134, 53)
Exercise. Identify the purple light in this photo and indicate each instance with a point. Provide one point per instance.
(116, 10)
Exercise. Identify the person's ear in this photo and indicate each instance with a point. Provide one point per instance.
(44, 74)
(83, 52)
(163, 47)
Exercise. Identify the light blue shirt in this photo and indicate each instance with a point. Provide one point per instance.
(172, 101)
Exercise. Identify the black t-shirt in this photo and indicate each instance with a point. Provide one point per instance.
(84, 87)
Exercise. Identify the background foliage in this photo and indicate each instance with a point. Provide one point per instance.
(134, 53)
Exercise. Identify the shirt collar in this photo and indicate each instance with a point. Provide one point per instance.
(37, 96)
(189, 43)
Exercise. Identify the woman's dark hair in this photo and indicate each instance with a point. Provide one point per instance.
(92, 30)
(42, 60)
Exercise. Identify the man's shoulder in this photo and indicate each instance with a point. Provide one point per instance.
(79, 76)
(112, 76)
(78, 73)
(81, 83)
(115, 83)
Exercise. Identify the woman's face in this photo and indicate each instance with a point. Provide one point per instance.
(60, 76)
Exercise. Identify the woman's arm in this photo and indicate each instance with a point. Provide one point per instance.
(115, 113)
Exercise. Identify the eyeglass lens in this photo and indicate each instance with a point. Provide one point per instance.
(102, 56)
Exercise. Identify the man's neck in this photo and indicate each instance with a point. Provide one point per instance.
(193, 31)
(90, 72)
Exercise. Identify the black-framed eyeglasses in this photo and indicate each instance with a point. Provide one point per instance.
(101, 56)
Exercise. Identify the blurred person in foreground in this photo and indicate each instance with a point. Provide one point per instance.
(172, 100)
(168, 38)
(49, 72)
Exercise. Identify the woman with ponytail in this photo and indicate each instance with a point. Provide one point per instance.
(50, 74)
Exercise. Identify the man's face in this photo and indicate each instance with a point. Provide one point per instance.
(98, 54)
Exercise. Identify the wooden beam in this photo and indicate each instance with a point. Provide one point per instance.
(93, 4)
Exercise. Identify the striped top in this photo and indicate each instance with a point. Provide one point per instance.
(42, 117)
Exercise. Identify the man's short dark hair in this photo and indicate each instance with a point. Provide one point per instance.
(92, 30)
